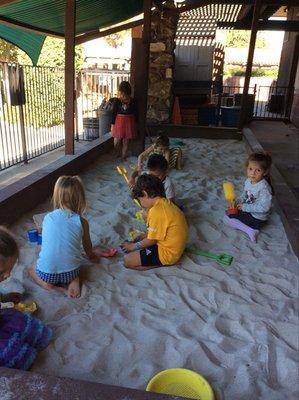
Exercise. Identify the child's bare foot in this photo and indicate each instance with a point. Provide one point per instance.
(39, 281)
(74, 288)
(43, 284)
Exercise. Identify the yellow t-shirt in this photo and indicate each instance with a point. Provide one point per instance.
(167, 224)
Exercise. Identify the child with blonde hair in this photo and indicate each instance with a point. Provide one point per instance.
(21, 336)
(63, 231)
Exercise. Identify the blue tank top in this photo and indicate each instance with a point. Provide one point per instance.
(61, 243)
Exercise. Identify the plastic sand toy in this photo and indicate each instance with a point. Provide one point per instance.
(222, 259)
(229, 194)
(181, 382)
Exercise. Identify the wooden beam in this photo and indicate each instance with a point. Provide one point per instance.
(146, 39)
(5, 2)
(27, 27)
(69, 75)
(97, 34)
(254, 25)
(195, 131)
(147, 15)
(139, 74)
(293, 73)
(201, 3)
(287, 26)
(245, 12)
(158, 4)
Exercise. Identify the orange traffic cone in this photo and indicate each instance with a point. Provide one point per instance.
(176, 113)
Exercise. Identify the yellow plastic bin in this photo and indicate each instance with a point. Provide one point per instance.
(181, 382)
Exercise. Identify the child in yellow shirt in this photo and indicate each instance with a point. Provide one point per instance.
(167, 234)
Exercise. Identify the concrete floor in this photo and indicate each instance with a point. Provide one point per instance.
(282, 141)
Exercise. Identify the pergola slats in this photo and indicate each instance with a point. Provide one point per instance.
(199, 25)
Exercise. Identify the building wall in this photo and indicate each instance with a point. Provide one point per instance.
(286, 61)
(295, 106)
(288, 49)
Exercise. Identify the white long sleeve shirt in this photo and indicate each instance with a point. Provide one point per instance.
(257, 199)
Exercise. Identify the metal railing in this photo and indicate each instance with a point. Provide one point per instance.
(32, 108)
(272, 102)
(267, 102)
(31, 112)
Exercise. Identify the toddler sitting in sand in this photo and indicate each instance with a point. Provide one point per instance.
(21, 336)
(173, 155)
(167, 234)
(64, 229)
(157, 165)
(255, 205)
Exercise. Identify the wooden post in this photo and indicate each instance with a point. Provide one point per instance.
(291, 83)
(139, 73)
(254, 26)
(69, 75)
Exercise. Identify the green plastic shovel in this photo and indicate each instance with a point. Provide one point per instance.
(222, 259)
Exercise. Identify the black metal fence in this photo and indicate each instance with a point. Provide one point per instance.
(31, 112)
(273, 102)
(32, 108)
(94, 88)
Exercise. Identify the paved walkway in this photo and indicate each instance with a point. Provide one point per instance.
(282, 141)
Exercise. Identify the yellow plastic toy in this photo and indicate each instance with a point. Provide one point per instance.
(135, 233)
(229, 194)
(123, 171)
(26, 307)
(139, 216)
(181, 382)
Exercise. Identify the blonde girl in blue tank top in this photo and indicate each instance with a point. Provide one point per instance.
(64, 229)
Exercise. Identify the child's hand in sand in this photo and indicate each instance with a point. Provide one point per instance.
(128, 246)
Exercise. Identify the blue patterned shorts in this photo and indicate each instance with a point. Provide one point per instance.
(62, 278)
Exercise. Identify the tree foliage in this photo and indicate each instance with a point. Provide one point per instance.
(116, 39)
(52, 54)
(240, 39)
(8, 52)
(44, 88)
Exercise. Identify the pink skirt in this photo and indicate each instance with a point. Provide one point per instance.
(125, 127)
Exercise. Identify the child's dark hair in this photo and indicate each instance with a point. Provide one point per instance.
(157, 162)
(8, 244)
(162, 140)
(150, 184)
(125, 88)
(265, 161)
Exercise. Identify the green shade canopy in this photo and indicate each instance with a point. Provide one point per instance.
(48, 16)
(29, 42)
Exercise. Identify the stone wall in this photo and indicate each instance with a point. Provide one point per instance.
(161, 67)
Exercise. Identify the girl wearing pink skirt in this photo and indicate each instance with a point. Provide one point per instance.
(124, 119)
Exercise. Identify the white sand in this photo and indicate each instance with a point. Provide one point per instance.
(235, 325)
